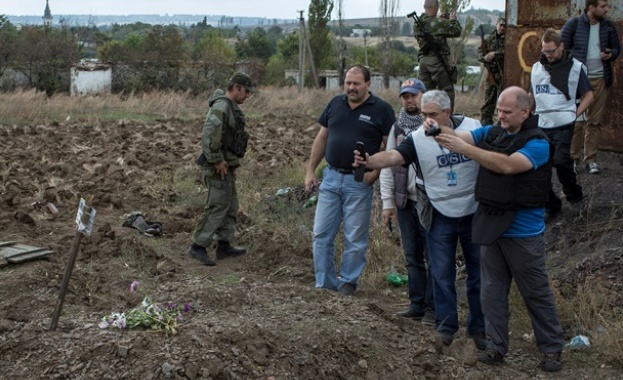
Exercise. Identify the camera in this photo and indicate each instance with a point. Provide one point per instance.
(433, 131)
(445, 15)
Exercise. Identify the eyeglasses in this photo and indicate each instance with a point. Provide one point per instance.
(550, 52)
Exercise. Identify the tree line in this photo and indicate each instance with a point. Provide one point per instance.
(201, 57)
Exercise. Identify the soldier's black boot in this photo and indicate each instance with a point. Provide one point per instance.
(224, 250)
(200, 254)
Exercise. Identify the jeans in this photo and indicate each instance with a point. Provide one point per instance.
(442, 243)
(413, 237)
(341, 198)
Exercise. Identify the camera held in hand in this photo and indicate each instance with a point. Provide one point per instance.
(433, 130)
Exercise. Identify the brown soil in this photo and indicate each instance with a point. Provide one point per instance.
(255, 317)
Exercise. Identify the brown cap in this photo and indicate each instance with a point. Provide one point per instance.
(243, 80)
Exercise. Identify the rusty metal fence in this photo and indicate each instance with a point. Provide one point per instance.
(526, 22)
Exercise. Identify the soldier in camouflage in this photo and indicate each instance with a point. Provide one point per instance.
(432, 72)
(223, 143)
(493, 58)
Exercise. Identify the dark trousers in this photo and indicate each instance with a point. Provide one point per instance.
(561, 138)
(523, 260)
(413, 237)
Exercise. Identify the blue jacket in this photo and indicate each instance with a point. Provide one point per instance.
(578, 42)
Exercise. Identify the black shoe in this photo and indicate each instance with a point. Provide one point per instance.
(429, 317)
(200, 254)
(347, 289)
(551, 362)
(446, 338)
(480, 340)
(412, 313)
(225, 250)
(491, 357)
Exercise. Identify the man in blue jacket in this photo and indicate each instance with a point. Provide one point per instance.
(594, 41)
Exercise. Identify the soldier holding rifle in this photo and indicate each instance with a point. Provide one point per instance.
(492, 55)
(431, 33)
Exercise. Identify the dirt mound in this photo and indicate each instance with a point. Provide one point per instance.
(256, 317)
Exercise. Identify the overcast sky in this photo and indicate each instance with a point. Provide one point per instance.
(284, 9)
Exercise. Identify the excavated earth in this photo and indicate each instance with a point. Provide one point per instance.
(254, 317)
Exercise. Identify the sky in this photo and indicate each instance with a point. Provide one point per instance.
(282, 9)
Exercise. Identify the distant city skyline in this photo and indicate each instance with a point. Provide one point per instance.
(280, 9)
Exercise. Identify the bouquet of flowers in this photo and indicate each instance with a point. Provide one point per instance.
(148, 315)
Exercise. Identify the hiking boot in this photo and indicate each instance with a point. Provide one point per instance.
(347, 289)
(429, 317)
(200, 254)
(551, 362)
(592, 168)
(491, 357)
(225, 250)
(480, 340)
(412, 313)
(446, 338)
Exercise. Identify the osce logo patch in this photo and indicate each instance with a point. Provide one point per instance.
(542, 88)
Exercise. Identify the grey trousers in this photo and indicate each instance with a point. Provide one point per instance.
(524, 260)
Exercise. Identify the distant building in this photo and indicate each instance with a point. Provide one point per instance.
(330, 80)
(90, 78)
(47, 15)
(361, 33)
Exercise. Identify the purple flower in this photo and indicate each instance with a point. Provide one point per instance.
(186, 307)
(170, 305)
(133, 286)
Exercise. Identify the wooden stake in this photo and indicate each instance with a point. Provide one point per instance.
(71, 263)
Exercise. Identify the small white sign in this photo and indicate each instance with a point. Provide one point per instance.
(82, 227)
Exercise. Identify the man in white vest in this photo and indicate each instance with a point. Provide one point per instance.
(557, 81)
(449, 181)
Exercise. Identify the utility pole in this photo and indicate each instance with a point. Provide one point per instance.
(311, 57)
(365, 45)
(301, 52)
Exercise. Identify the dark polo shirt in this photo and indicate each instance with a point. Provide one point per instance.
(368, 123)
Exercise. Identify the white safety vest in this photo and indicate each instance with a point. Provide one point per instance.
(553, 108)
(452, 201)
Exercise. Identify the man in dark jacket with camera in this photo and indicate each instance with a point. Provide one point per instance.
(223, 143)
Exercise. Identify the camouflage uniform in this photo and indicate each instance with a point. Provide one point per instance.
(224, 124)
(495, 68)
(432, 71)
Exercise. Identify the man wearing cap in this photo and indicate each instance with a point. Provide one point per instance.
(446, 205)
(398, 192)
(492, 55)
(223, 143)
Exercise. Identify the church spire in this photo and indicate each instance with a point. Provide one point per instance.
(47, 15)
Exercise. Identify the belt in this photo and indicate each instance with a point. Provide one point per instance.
(341, 171)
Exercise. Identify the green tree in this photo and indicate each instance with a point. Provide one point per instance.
(44, 56)
(320, 39)
(255, 45)
(216, 58)
(8, 44)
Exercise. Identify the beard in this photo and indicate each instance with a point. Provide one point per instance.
(412, 110)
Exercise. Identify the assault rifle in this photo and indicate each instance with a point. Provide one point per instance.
(436, 48)
(490, 65)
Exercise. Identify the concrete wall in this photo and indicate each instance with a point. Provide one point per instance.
(85, 82)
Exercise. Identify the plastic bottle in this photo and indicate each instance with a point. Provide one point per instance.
(396, 279)
(311, 202)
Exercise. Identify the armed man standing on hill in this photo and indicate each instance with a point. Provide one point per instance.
(492, 55)
(223, 143)
(435, 69)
